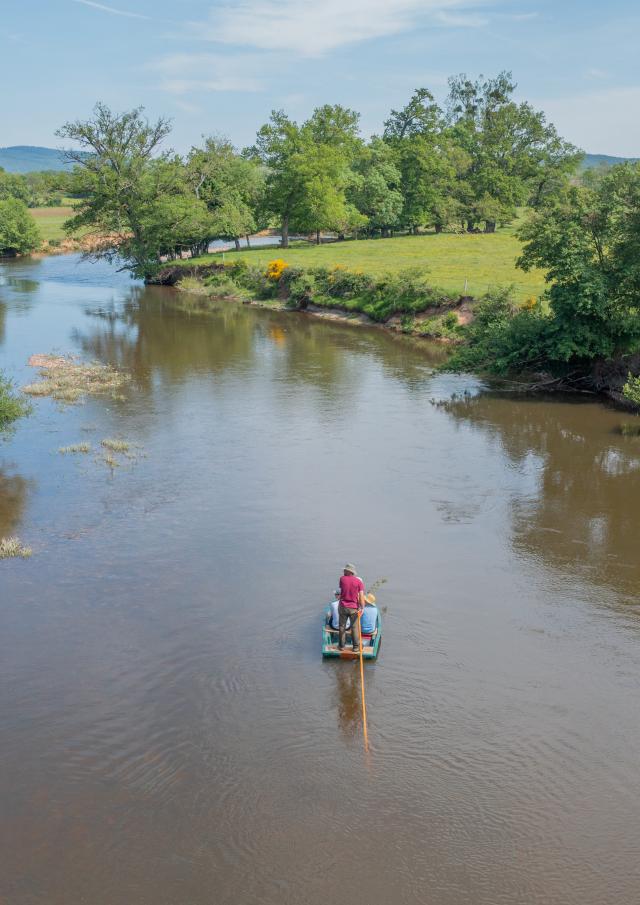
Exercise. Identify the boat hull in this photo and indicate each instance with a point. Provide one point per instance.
(370, 647)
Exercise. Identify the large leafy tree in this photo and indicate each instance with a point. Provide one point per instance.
(127, 184)
(428, 161)
(18, 231)
(278, 144)
(588, 241)
(231, 186)
(515, 155)
(375, 190)
(13, 185)
(308, 168)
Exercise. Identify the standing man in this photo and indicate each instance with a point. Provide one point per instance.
(351, 602)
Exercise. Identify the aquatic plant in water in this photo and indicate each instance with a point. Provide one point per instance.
(12, 547)
(67, 380)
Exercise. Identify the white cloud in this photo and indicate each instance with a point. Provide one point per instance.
(110, 9)
(185, 73)
(314, 27)
(601, 122)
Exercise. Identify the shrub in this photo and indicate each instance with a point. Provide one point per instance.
(503, 338)
(253, 280)
(223, 284)
(300, 286)
(342, 283)
(631, 389)
(275, 269)
(12, 406)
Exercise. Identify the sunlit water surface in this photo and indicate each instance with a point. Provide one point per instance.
(170, 733)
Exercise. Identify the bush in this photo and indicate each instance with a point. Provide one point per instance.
(18, 231)
(406, 292)
(631, 389)
(223, 284)
(12, 406)
(300, 287)
(503, 338)
(345, 284)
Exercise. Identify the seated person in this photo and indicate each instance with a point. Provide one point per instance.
(369, 619)
(333, 619)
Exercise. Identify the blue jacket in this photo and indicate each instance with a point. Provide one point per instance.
(369, 619)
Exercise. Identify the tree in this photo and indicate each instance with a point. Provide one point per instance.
(375, 187)
(18, 231)
(588, 241)
(303, 161)
(277, 144)
(13, 185)
(230, 185)
(514, 154)
(127, 184)
(428, 161)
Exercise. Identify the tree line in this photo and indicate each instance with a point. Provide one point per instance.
(464, 166)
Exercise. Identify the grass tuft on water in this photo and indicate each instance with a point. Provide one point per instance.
(12, 547)
(111, 461)
(66, 380)
(75, 448)
(121, 446)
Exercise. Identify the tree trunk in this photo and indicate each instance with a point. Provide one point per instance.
(490, 226)
(317, 237)
(439, 227)
(470, 226)
(237, 241)
(248, 242)
(284, 242)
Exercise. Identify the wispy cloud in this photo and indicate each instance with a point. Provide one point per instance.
(112, 10)
(186, 73)
(312, 28)
(461, 20)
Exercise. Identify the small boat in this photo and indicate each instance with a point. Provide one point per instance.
(370, 643)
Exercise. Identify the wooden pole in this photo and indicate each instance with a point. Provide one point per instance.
(364, 703)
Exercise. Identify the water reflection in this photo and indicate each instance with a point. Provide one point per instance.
(157, 330)
(347, 698)
(583, 513)
(13, 497)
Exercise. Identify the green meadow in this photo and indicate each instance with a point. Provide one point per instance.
(474, 261)
(50, 221)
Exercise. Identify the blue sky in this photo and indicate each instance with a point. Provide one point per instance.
(220, 67)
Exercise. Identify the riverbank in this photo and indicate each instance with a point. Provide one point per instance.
(402, 302)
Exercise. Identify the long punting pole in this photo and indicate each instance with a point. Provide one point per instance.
(364, 703)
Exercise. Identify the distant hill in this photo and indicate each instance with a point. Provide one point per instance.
(28, 159)
(604, 160)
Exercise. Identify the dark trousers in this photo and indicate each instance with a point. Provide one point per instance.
(346, 614)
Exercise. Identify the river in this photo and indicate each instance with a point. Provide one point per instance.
(170, 733)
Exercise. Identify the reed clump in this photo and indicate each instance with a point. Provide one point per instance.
(75, 448)
(120, 446)
(67, 380)
(12, 547)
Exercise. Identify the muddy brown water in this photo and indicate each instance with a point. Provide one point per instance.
(170, 733)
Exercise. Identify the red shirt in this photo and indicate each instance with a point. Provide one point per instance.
(350, 587)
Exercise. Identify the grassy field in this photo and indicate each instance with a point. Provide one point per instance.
(481, 260)
(50, 220)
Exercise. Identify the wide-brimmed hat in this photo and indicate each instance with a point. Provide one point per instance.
(350, 568)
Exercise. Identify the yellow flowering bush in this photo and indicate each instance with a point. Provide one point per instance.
(530, 303)
(275, 269)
